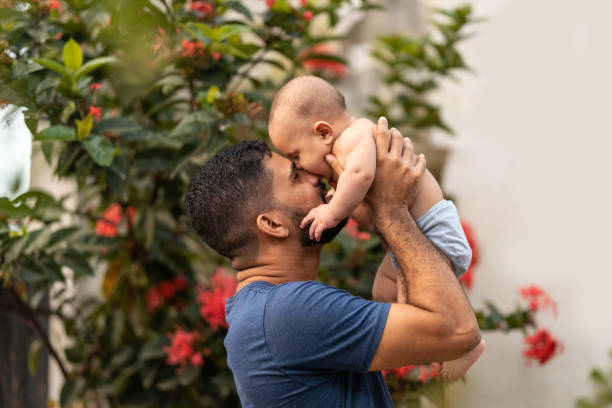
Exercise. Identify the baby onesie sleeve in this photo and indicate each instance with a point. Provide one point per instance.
(441, 225)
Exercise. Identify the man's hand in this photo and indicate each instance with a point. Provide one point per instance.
(321, 219)
(398, 171)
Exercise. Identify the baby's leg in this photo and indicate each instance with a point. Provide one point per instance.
(455, 369)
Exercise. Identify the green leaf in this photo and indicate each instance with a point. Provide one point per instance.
(73, 387)
(92, 65)
(153, 349)
(73, 56)
(84, 126)
(434, 391)
(229, 30)
(324, 57)
(52, 65)
(8, 208)
(59, 132)
(33, 353)
(240, 8)
(149, 228)
(47, 147)
(101, 150)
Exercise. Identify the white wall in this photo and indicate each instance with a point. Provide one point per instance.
(530, 170)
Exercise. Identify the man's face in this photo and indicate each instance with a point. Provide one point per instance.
(297, 192)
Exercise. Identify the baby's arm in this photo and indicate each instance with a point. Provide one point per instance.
(359, 150)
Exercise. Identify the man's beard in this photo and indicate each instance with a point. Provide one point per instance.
(297, 215)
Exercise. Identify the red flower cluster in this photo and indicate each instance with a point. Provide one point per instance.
(55, 5)
(95, 112)
(111, 217)
(165, 290)
(426, 372)
(202, 7)
(191, 48)
(352, 229)
(95, 86)
(468, 276)
(333, 68)
(537, 299)
(307, 15)
(541, 346)
(213, 300)
(180, 351)
(270, 3)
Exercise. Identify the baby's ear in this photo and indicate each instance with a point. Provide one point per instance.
(325, 131)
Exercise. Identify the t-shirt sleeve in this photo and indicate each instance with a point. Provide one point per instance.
(312, 325)
(441, 225)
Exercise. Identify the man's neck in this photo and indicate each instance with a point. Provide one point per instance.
(280, 265)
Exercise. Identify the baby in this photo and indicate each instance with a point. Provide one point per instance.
(309, 120)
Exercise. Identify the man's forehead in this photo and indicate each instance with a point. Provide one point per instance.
(279, 164)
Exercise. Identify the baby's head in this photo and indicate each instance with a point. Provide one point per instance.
(306, 117)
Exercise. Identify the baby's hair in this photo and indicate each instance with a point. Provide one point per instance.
(309, 96)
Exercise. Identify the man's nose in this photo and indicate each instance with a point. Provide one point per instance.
(310, 178)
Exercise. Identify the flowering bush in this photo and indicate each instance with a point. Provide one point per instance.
(127, 100)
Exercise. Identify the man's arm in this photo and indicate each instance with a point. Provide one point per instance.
(437, 323)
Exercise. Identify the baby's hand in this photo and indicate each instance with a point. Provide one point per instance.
(321, 220)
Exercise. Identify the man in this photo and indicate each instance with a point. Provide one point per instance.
(295, 342)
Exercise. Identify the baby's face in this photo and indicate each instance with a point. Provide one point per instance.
(302, 146)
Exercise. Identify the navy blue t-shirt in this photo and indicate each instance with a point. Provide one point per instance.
(305, 344)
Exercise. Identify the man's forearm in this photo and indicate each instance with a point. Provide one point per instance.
(426, 278)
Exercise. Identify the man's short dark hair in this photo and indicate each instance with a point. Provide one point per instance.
(226, 196)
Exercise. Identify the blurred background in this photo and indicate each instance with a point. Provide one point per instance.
(516, 130)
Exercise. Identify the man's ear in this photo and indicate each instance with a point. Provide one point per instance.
(271, 223)
(325, 131)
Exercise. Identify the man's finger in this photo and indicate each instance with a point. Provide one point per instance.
(408, 148)
(333, 162)
(397, 143)
(421, 164)
(382, 136)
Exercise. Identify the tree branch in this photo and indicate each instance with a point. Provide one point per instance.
(28, 314)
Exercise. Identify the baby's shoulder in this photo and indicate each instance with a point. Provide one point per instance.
(360, 131)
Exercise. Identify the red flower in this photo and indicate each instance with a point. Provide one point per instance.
(216, 55)
(55, 5)
(95, 86)
(179, 282)
(270, 3)
(180, 350)
(167, 289)
(537, 299)
(307, 15)
(107, 225)
(201, 7)
(353, 231)
(196, 359)
(96, 112)
(213, 300)
(333, 68)
(541, 346)
(468, 276)
(304, 3)
(154, 299)
(191, 48)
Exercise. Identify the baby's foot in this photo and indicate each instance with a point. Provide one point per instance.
(455, 369)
